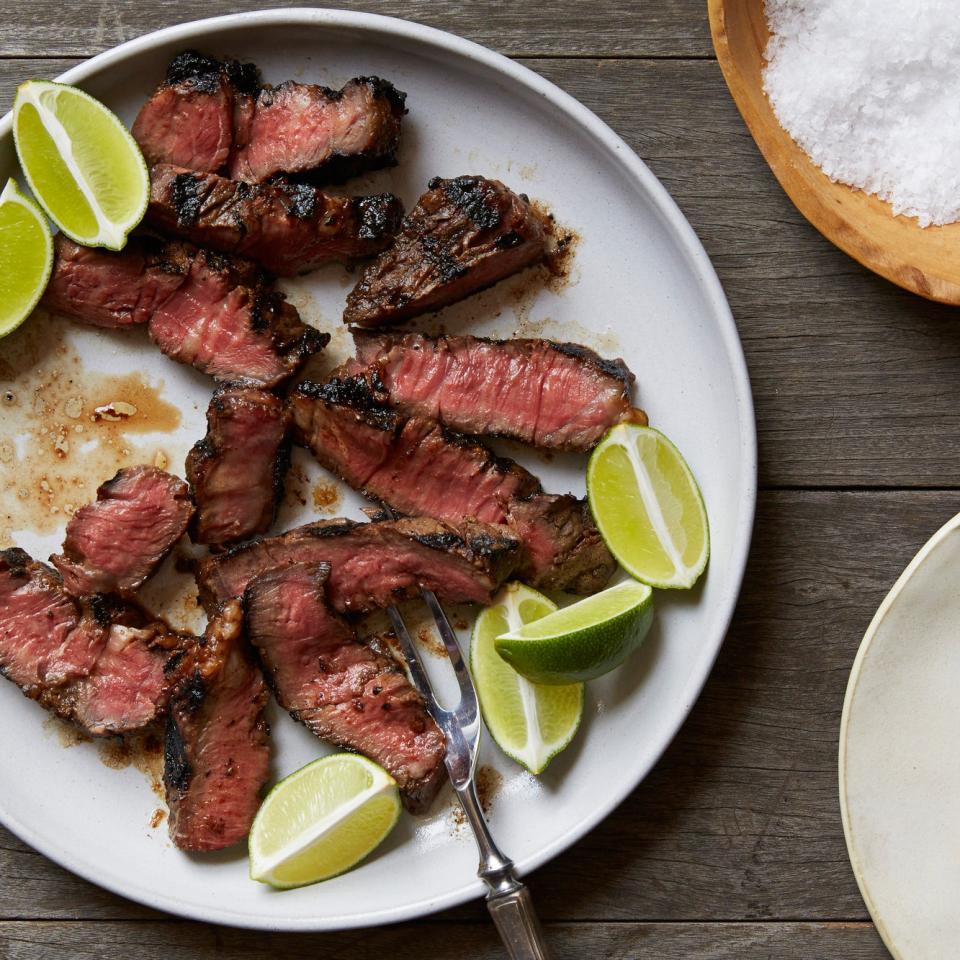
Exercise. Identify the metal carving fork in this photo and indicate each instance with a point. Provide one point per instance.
(508, 899)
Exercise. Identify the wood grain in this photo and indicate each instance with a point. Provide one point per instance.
(553, 28)
(184, 941)
(923, 261)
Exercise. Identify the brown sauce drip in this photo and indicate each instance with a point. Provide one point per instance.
(429, 641)
(142, 751)
(75, 424)
(296, 484)
(488, 781)
(67, 735)
(326, 498)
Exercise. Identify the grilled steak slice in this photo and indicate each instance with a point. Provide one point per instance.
(374, 564)
(463, 235)
(102, 663)
(214, 117)
(189, 120)
(562, 545)
(236, 471)
(206, 309)
(231, 330)
(217, 749)
(339, 688)
(300, 128)
(110, 289)
(419, 467)
(289, 228)
(560, 396)
(114, 544)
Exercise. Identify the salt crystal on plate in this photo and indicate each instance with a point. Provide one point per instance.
(871, 90)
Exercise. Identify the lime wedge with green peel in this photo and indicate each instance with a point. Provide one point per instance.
(531, 722)
(81, 163)
(322, 820)
(582, 641)
(648, 507)
(26, 257)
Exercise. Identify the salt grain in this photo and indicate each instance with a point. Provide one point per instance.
(871, 90)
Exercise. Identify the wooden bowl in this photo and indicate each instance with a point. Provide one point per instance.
(923, 260)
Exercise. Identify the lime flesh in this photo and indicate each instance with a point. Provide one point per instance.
(26, 257)
(322, 820)
(530, 722)
(585, 640)
(81, 163)
(648, 507)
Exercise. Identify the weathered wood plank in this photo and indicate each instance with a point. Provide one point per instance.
(740, 819)
(855, 382)
(665, 941)
(558, 27)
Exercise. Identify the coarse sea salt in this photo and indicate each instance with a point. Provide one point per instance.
(871, 90)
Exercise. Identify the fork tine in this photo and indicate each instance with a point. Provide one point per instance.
(468, 694)
(412, 658)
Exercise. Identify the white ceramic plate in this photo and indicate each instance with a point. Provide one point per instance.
(900, 759)
(642, 287)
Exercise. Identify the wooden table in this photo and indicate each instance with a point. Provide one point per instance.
(732, 847)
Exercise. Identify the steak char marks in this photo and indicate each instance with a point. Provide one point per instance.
(419, 467)
(217, 750)
(342, 690)
(101, 663)
(236, 471)
(324, 134)
(225, 321)
(216, 117)
(114, 544)
(209, 310)
(558, 396)
(189, 120)
(463, 235)
(289, 228)
(374, 565)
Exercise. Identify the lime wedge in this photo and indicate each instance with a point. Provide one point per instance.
(322, 820)
(531, 722)
(648, 507)
(26, 257)
(81, 163)
(582, 641)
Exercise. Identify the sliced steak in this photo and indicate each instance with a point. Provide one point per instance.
(463, 235)
(413, 464)
(217, 749)
(214, 116)
(236, 471)
(206, 309)
(230, 330)
(108, 289)
(374, 564)
(189, 120)
(114, 544)
(339, 688)
(37, 617)
(559, 396)
(101, 663)
(289, 228)
(299, 128)
(418, 467)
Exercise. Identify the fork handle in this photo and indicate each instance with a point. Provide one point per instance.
(508, 899)
(516, 922)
